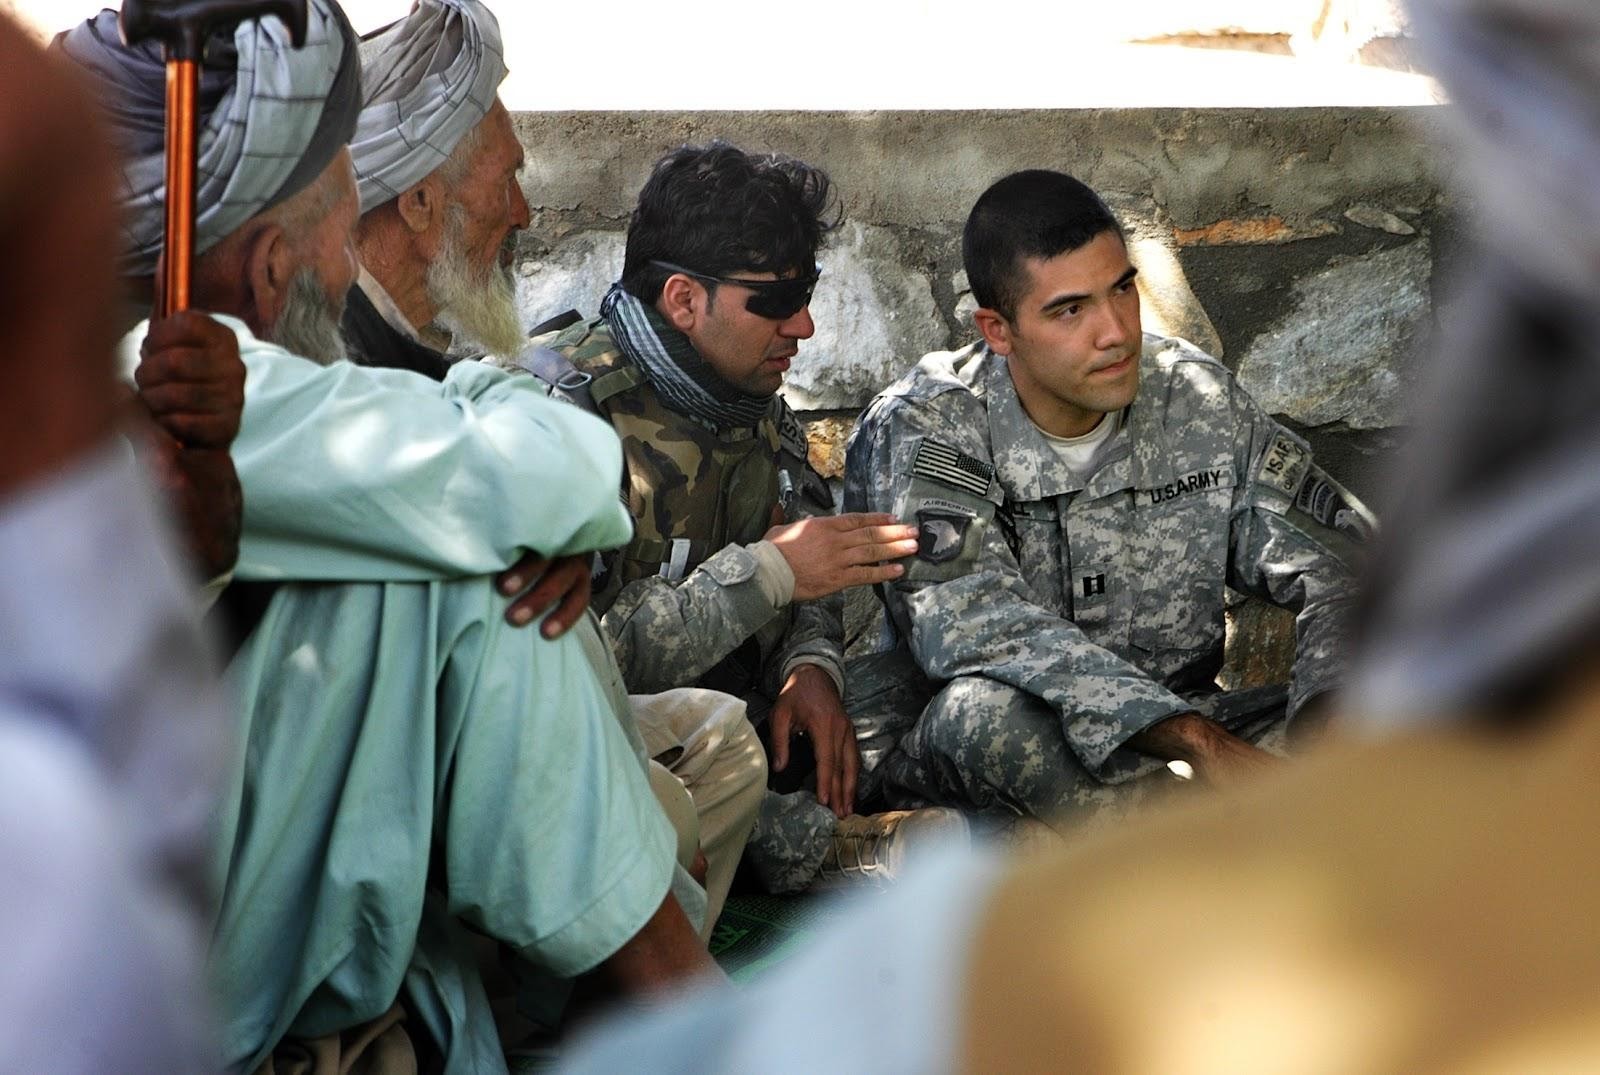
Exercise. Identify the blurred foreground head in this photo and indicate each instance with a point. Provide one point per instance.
(1489, 590)
(58, 285)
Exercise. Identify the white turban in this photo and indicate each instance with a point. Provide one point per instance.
(271, 118)
(429, 79)
(1488, 579)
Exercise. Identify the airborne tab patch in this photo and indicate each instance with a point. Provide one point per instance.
(1284, 465)
(944, 464)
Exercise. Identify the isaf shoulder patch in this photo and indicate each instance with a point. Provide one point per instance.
(948, 466)
(1284, 465)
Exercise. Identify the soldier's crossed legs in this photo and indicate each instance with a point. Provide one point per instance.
(986, 747)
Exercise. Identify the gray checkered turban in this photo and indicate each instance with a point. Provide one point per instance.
(271, 119)
(429, 79)
(1488, 585)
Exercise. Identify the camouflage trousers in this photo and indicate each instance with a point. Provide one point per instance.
(792, 831)
(986, 747)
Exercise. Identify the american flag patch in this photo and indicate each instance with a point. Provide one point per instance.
(942, 463)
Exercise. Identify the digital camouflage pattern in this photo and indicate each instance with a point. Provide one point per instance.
(1060, 615)
(682, 601)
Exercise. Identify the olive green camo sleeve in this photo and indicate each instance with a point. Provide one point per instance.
(669, 634)
(971, 613)
(1297, 540)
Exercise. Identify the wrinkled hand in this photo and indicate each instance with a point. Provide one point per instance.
(535, 584)
(829, 553)
(191, 390)
(809, 704)
(191, 379)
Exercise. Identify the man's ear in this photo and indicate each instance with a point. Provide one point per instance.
(995, 328)
(421, 205)
(680, 301)
(269, 268)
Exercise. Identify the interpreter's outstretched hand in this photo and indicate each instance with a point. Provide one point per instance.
(809, 704)
(830, 553)
(190, 384)
(535, 584)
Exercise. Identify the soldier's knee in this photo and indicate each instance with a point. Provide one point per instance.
(967, 713)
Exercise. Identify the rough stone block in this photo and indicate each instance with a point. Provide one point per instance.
(875, 316)
(573, 276)
(1260, 644)
(826, 438)
(1251, 231)
(1345, 349)
(1167, 305)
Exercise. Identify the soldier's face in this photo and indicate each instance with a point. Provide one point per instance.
(749, 351)
(1073, 346)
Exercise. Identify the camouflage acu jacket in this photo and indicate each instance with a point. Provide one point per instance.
(681, 601)
(1102, 594)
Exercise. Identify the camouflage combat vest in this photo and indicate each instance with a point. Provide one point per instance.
(691, 490)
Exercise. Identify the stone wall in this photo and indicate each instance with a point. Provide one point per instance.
(1300, 246)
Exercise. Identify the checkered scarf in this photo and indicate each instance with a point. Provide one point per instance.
(685, 382)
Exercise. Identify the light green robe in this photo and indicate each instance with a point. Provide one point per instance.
(391, 720)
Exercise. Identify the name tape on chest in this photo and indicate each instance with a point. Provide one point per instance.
(944, 464)
(1284, 465)
(1199, 481)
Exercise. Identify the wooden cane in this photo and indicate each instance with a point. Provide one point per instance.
(182, 27)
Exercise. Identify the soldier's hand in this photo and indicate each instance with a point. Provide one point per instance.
(535, 584)
(809, 704)
(191, 379)
(1219, 757)
(831, 552)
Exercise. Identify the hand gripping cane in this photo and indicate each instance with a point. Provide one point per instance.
(182, 27)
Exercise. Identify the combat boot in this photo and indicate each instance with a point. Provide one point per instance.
(873, 848)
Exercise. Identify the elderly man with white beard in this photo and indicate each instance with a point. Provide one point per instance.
(437, 163)
(409, 766)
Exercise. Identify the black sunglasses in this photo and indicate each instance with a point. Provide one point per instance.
(777, 300)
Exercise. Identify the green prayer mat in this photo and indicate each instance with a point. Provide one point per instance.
(756, 933)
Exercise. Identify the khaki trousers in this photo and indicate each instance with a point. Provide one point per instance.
(704, 740)
(379, 1047)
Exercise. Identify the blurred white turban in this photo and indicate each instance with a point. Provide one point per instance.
(429, 79)
(1490, 580)
(271, 119)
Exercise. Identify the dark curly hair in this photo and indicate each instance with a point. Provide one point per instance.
(719, 210)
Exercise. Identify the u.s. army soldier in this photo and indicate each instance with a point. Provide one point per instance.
(732, 578)
(1084, 493)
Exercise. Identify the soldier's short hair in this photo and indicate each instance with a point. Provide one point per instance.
(1030, 214)
(719, 210)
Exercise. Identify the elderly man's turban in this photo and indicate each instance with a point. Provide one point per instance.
(429, 79)
(271, 119)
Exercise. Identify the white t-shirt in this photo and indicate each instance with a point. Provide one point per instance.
(1078, 452)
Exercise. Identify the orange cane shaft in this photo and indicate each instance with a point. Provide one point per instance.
(183, 79)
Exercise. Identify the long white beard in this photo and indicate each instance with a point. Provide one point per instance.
(479, 304)
(309, 323)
